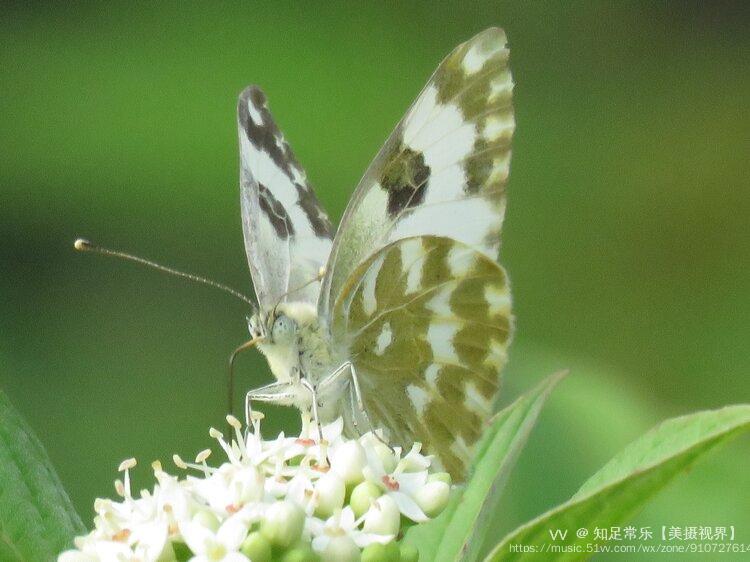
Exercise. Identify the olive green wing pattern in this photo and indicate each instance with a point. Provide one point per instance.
(426, 322)
(442, 171)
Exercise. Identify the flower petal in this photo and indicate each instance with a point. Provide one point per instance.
(408, 507)
(233, 531)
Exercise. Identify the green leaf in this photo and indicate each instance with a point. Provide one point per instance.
(458, 533)
(622, 487)
(37, 520)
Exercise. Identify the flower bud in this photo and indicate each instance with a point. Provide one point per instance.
(409, 553)
(207, 519)
(362, 497)
(331, 491)
(385, 455)
(257, 548)
(383, 518)
(432, 497)
(283, 523)
(377, 552)
(341, 548)
(348, 460)
(301, 553)
(440, 477)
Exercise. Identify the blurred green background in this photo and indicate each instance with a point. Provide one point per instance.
(626, 235)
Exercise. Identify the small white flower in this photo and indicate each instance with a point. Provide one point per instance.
(342, 524)
(221, 545)
(293, 488)
(400, 485)
(230, 487)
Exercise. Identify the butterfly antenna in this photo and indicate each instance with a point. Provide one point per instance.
(83, 245)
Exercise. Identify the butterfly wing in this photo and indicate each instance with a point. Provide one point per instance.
(413, 294)
(287, 233)
(426, 322)
(442, 171)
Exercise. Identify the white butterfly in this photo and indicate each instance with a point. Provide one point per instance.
(402, 319)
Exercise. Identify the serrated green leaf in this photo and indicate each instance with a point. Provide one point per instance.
(621, 488)
(37, 519)
(458, 533)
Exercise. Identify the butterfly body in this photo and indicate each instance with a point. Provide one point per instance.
(408, 327)
(294, 345)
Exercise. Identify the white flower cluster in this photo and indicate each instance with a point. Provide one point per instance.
(296, 499)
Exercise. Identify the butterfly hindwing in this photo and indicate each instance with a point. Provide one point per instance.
(444, 168)
(287, 233)
(426, 323)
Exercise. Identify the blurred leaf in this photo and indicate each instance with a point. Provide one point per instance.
(458, 533)
(37, 520)
(627, 482)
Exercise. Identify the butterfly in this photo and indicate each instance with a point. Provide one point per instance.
(401, 318)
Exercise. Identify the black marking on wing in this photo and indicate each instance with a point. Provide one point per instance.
(265, 135)
(405, 179)
(275, 212)
(318, 219)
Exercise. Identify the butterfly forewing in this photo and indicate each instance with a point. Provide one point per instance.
(287, 233)
(442, 171)
(426, 322)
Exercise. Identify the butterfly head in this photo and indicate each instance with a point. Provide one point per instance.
(274, 327)
(281, 333)
(280, 324)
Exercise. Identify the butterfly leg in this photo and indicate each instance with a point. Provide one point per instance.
(314, 396)
(277, 392)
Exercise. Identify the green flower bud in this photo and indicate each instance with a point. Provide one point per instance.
(377, 552)
(362, 497)
(283, 523)
(257, 548)
(207, 519)
(383, 518)
(440, 477)
(409, 553)
(301, 553)
(341, 548)
(331, 491)
(432, 497)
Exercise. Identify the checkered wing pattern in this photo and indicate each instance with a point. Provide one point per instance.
(443, 170)
(426, 322)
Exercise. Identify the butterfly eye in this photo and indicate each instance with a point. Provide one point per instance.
(283, 328)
